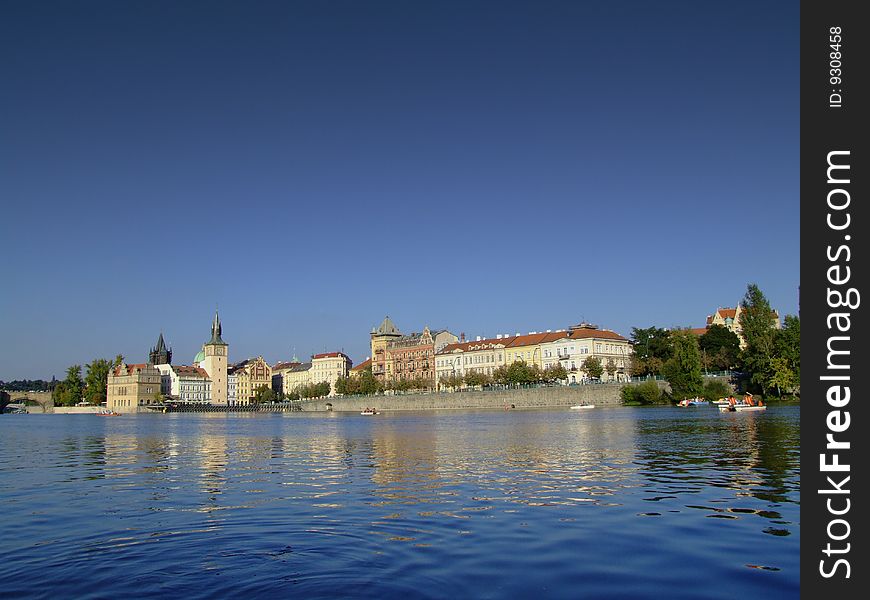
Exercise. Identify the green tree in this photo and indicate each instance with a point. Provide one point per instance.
(555, 373)
(787, 345)
(610, 367)
(715, 389)
(721, 347)
(782, 377)
(369, 384)
(647, 392)
(474, 379)
(593, 367)
(683, 369)
(264, 394)
(757, 325)
(652, 347)
(69, 391)
(96, 380)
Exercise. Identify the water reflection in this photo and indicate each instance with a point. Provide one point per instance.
(508, 498)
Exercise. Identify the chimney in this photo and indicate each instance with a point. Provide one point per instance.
(462, 337)
(477, 339)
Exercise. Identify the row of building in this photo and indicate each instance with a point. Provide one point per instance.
(430, 356)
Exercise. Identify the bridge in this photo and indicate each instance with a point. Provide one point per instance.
(36, 401)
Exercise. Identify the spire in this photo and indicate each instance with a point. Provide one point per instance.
(216, 331)
(161, 345)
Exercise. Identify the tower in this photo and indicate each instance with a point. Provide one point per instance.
(215, 362)
(380, 339)
(160, 354)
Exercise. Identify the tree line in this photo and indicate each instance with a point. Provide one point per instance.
(91, 388)
(769, 362)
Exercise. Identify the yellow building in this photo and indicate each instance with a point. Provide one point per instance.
(380, 338)
(730, 319)
(213, 359)
(250, 375)
(528, 348)
(296, 377)
(132, 387)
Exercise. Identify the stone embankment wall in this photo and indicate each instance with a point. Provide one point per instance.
(605, 394)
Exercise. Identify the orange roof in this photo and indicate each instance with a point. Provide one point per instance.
(130, 368)
(284, 365)
(190, 371)
(533, 339)
(699, 331)
(475, 345)
(363, 365)
(727, 313)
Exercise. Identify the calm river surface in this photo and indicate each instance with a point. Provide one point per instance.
(603, 503)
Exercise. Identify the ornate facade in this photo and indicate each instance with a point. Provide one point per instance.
(251, 375)
(380, 338)
(130, 388)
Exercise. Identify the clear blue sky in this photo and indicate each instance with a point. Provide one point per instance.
(309, 167)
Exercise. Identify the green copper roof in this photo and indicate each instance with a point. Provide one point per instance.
(200, 356)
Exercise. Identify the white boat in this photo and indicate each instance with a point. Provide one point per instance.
(742, 407)
(370, 412)
(581, 406)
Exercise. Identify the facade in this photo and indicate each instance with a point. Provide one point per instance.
(730, 319)
(380, 338)
(329, 367)
(160, 354)
(481, 356)
(360, 368)
(132, 387)
(584, 341)
(529, 348)
(251, 374)
(184, 383)
(411, 357)
(278, 370)
(232, 386)
(296, 377)
(213, 358)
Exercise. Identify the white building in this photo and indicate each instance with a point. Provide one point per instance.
(585, 341)
(184, 383)
(480, 356)
(329, 367)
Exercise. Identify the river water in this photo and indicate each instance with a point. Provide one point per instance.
(602, 503)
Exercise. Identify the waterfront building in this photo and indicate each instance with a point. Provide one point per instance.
(358, 370)
(160, 354)
(184, 384)
(329, 367)
(380, 338)
(251, 374)
(232, 386)
(584, 341)
(296, 377)
(730, 319)
(130, 388)
(213, 358)
(529, 348)
(278, 370)
(480, 356)
(411, 357)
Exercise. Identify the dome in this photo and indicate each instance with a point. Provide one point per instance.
(200, 356)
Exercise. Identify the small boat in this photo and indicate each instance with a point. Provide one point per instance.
(107, 413)
(693, 402)
(370, 411)
(747, 404)
(581, 406)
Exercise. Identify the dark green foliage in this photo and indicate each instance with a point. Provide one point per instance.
(473, 379)
(757, 325)
(683, 369)
(720, 348)
(26, 385)
(652, 348)
(264, 394)
(647, 392)
(555, 373)
(593, 367)
(69, 391)
(715, 389)
(96, 380)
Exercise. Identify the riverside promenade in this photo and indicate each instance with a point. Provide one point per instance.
(604, 394)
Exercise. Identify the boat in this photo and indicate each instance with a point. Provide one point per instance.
(692, 402)
(747, 404)
(370, 411)
(581, 406)
(105, 412)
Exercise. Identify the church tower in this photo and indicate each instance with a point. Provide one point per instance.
(215, 362)
(160, 354)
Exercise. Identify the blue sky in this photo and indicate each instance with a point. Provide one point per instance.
(309, 167)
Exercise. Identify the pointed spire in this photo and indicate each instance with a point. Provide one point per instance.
(161, 345)
(216, 331)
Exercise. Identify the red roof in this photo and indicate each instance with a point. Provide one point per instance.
(329, 355)
(699, 331)
(285, 365)
(117, 370)
(190, 371)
